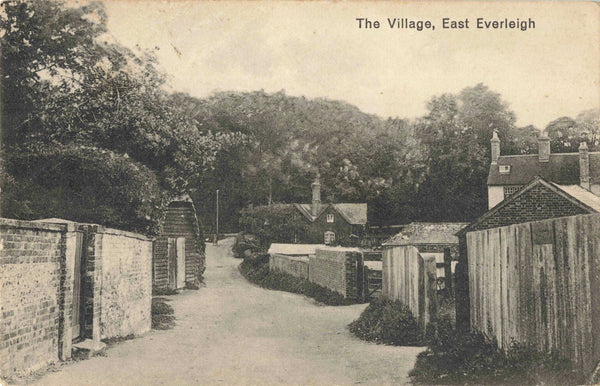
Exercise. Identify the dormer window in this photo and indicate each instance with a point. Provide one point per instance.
(504, 169)
(330, 217)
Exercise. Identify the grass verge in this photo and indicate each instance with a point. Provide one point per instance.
(163, 317)
(256, 270)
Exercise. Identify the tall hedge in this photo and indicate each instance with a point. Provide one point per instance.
(84, 184)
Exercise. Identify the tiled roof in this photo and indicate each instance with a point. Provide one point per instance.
(562, 168)
(352, 213)
(355, 214)
(427, 233)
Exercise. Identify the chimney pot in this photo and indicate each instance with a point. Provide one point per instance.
(584, 166)
(495, 141)
(544, 147)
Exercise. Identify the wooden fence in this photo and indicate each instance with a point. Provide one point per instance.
(410, 279)
(539, 283)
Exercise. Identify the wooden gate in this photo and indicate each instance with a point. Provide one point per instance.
(176, 259)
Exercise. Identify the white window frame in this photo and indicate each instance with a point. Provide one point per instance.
(330, 217)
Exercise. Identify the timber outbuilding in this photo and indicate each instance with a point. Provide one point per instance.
(178, 256)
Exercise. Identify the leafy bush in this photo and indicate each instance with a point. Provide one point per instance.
(84, 184)
(273, 224)
(256, 269)
(388, 322)
(471, 358)
(163, 317)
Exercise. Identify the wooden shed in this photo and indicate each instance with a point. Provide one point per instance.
(178, 255)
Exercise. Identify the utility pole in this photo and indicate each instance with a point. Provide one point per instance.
(216, 240)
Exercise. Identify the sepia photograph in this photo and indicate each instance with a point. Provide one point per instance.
(299, 192)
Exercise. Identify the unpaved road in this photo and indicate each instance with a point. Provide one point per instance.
(232, 332)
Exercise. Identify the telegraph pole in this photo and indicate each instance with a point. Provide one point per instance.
(216, 241)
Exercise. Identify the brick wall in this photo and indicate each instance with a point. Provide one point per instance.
(294, 265)
(126, 283)
(37, 262)
(35, 293)
(339, 269)
(538, 203)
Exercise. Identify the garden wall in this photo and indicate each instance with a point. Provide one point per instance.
(294, 265)
(339, 269)
(36, 274)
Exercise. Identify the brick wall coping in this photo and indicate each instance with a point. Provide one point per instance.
(303, 259)
(52, 227)
(73, 226)
(386, 246)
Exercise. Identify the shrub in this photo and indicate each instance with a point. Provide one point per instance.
(163, 317)
(471, 358)
(84, 184)
(388, 322)
(255, 269)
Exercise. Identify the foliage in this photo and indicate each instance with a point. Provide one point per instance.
(255, 268)
(163, 317)
(83, 184)
(388, 322)
(66, 84)
(471, 358)
(566, 134)
(273, 224)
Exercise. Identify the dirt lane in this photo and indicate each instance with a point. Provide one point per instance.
(232, 332)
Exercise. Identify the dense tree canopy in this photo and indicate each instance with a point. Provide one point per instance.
(71, 96)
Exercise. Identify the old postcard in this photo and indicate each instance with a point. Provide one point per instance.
(291, 192)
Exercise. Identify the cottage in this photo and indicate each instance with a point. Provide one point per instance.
(508, 173)
(332, 223)
(524, 188)
(178, 258)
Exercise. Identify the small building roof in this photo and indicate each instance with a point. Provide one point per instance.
(427, 233)
(294, 249)
(583, 195)
(561, 168)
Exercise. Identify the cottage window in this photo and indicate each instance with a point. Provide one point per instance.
(330, 217)
(510, 190)
(504, 169)
(329, 237)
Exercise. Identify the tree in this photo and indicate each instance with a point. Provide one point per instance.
(566, 133)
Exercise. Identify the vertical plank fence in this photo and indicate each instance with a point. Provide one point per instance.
(410, 279)
(539, 283)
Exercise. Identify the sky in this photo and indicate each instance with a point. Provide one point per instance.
(316, 49)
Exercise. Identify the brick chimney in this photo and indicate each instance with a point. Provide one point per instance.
(544, 147)
(316, 197)
(584, 166)
(495, 147)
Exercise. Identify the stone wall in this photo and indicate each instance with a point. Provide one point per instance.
(294, 265)
(35, 293)
(339, 269)
(126, 284)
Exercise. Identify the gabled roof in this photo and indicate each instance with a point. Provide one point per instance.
(575, 194)
(355, 214)
(427, 233)
(562, 168)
